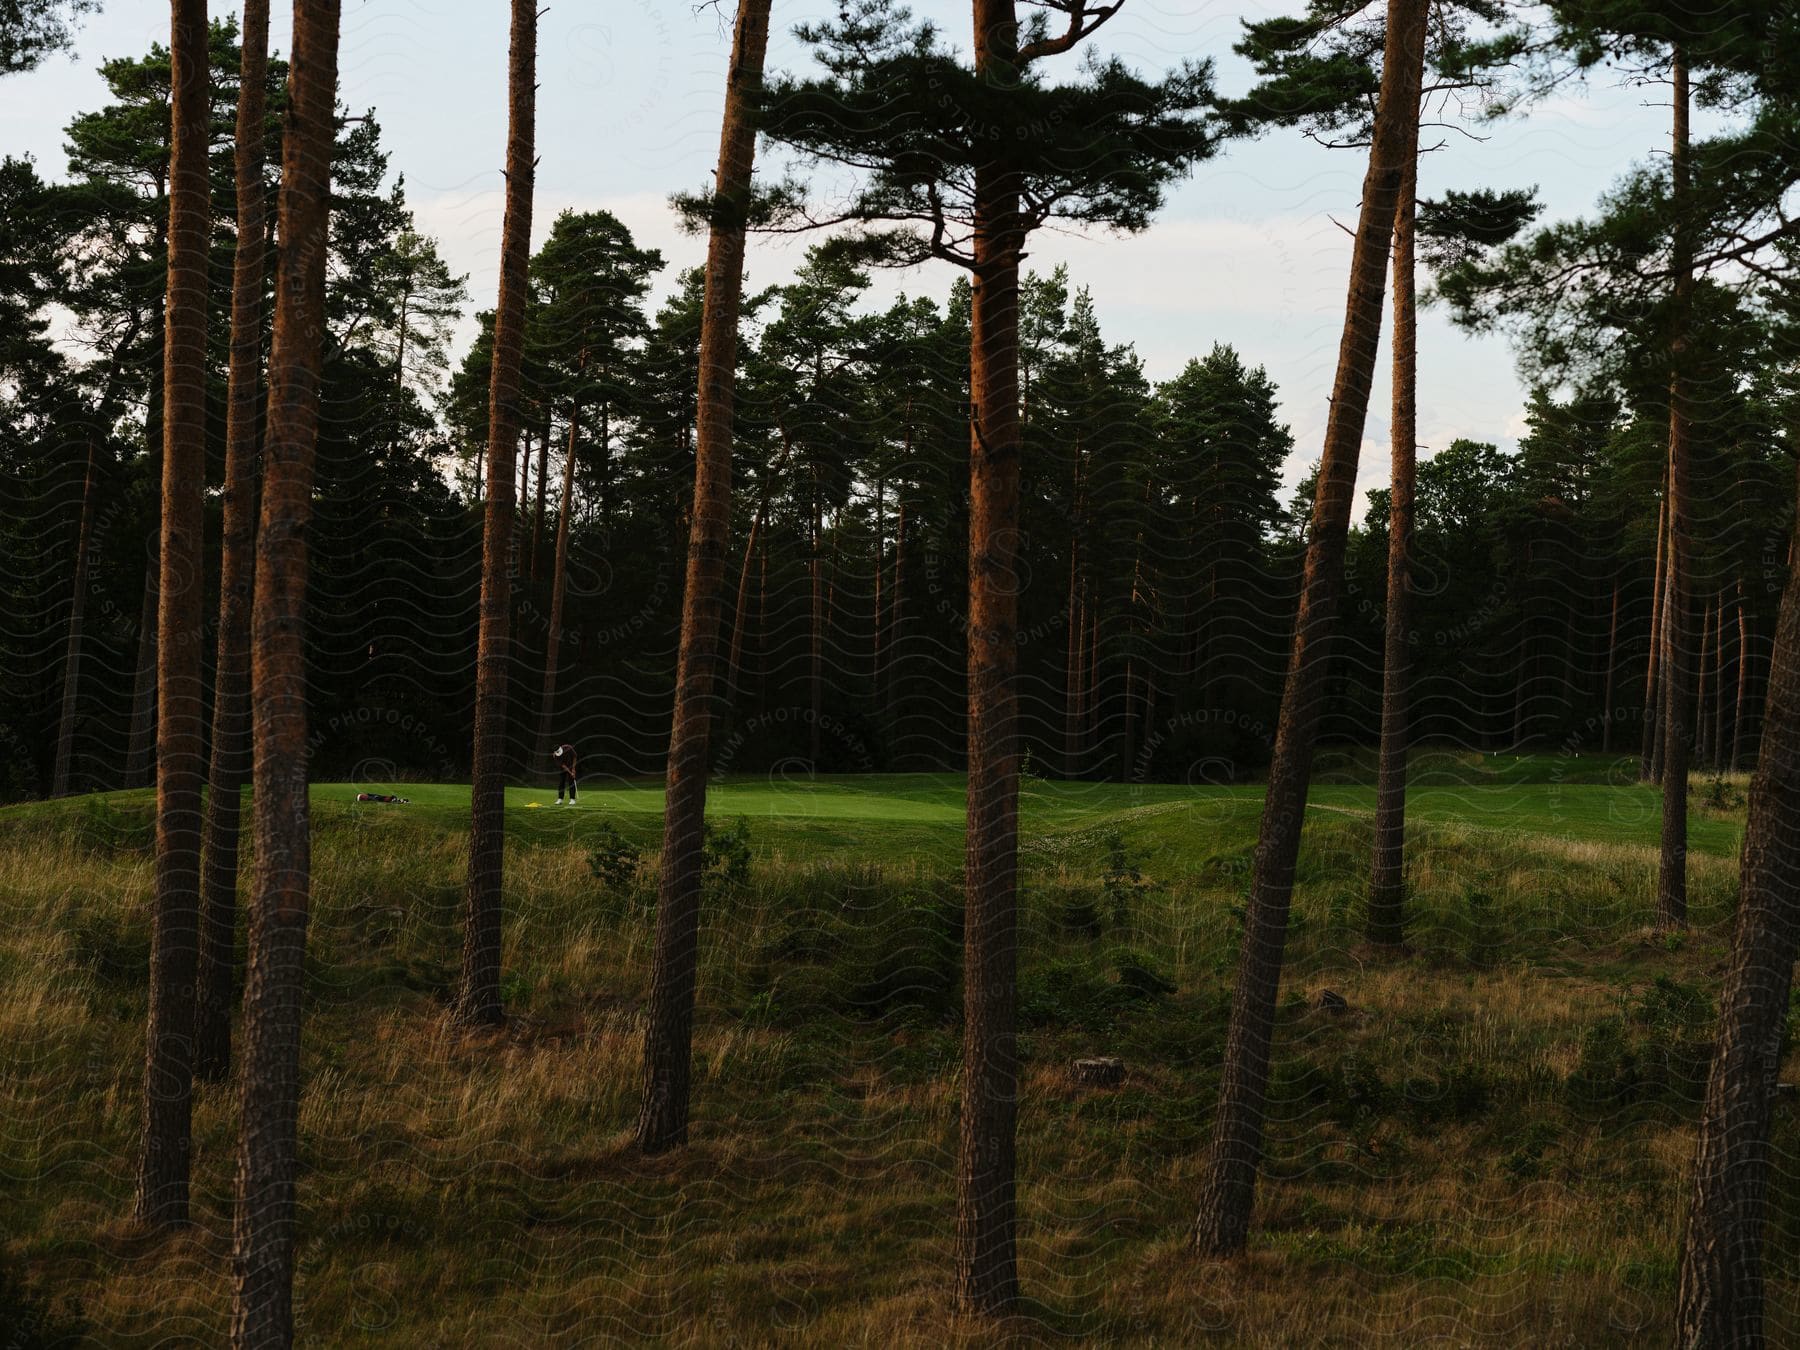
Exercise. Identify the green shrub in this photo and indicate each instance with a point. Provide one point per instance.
(1123, 882)
(726, 855)
(613, 859)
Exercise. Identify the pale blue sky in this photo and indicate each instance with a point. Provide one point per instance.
(1246, 251)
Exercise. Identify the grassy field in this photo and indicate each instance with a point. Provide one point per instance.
(1488, 1145)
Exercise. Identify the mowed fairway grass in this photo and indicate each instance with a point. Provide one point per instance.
(1489, 1145)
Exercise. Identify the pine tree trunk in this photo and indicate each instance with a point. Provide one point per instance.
(71, 674)
(1660, 739)
(559, 585)
(1228, 1190)
(478, 994)
(987, 1279)
(668, 1039)
(231, 751)
(1671, 890)
(163, 1165)
(262, 1258)
(1721, 1280)
(1387, 879)
(1647, 757)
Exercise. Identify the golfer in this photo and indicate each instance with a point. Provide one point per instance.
(565, 764)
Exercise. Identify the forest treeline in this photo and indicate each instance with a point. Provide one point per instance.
(1159, 553)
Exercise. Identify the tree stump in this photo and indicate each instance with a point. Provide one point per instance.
(1102, 1071)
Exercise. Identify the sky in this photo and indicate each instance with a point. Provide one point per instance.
(1251, 249)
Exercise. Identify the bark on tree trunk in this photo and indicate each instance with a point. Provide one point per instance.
(478, 994)
(1660, 739)
(1720, 1301)
(231, 749)
(71, 675)
(987, 1279)
(1671, 890)
(559, 583)
(262, 1260)
(1228, 1189)
(1647, 757)
(668, 1038)
(1387, 879)
(163, 1164)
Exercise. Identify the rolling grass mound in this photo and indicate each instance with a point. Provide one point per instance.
(1487, 1143)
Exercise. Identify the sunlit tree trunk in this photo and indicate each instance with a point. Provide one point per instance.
(262, 1259)
(668, 1037)
(478, 994)
(1671, 890)
(1647, 757)
(986, 1208)
(1228, 1186)
(231, 749)
(1387, 879)
(1660, 739)
(163, 1163)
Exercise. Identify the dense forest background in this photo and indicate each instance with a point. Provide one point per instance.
(1159, 559)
